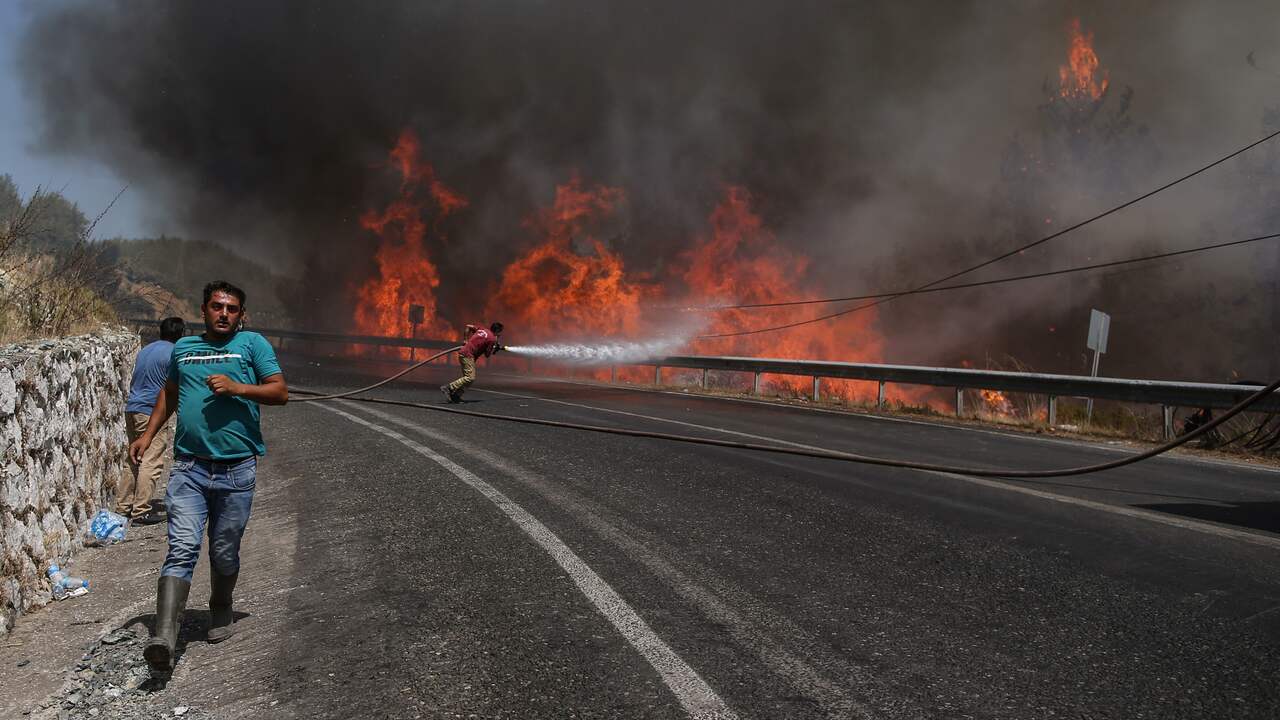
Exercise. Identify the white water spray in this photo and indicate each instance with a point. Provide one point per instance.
(601, 353)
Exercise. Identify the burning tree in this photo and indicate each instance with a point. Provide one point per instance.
(571, 285)
(405, 273)
(1086, 150)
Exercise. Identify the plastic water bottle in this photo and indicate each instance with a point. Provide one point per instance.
(65, 585)
(74, 583)
(56, 576)
(108, 527)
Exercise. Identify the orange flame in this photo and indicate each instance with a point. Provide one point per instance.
(996, 402)
(571, 284)
(741, 261)
(555, 291)
(1079, 78)
(406, 276)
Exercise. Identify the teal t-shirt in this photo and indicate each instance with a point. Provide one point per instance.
(219, 427)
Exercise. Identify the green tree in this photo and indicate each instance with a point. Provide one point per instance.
(10, 200)
(59, 224)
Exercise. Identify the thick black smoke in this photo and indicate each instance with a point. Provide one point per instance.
(872, 134)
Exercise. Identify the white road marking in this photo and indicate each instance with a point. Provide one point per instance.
(1270, 541)
(693, 693)
(640, 546)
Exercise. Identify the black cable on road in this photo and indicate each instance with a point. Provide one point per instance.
(378, 384)
(999, 281)
(1009, 253)
(835, 454)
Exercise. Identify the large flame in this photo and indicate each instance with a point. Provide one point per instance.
(741, 261)
(405, 274)
(1080, 79)
(571, 285)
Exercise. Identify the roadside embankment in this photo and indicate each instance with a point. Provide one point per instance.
(62, 452)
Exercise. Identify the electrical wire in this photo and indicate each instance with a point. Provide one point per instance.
(1007, 254)
(378, 384)
(997, 281)
(835, 454)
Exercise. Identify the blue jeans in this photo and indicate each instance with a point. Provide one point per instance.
(200, 490)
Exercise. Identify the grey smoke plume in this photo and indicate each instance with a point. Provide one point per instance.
(871, 135)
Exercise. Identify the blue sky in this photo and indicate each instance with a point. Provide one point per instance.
(89, 184)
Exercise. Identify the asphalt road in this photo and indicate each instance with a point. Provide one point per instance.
(471, 567)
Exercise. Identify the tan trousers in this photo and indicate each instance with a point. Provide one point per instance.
(133, 496)
(468, 375)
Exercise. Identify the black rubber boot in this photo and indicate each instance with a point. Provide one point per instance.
(171, 600)
(221, 621)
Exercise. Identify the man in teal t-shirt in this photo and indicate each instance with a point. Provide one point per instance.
(215, 383)
(212, 426)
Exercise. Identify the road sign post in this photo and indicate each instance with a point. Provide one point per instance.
(417, 314)
(1099, 329)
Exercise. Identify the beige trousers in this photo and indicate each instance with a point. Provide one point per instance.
(468, 375)
(133, 496)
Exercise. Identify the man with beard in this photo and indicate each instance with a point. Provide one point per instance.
(215, 383)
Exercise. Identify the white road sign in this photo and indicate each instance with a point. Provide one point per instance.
(1099, 327)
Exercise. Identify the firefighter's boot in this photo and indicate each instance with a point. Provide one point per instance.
(171, 600)
(221, 621)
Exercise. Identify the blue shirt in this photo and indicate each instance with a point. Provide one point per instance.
(219, 427)
(149, 373)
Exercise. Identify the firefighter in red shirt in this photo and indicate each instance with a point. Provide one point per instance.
(480, 343)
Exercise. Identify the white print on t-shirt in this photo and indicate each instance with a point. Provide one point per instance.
(207, 359)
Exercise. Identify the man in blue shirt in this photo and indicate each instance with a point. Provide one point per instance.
(215, 383)
(150, 370)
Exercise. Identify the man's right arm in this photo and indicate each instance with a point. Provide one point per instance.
(166, 403)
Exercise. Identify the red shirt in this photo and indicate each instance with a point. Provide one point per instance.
(482, 342)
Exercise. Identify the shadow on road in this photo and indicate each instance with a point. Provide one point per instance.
(1256, 515)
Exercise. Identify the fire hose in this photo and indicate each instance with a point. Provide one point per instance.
(805, 452)
(380, 383)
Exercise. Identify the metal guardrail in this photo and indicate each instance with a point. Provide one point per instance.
(1153, 392)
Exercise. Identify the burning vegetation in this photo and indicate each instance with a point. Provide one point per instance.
(1081, 80)
(570, 283)
(405, 274)
(584, 175)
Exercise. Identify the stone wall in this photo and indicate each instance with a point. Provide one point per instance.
(62, 451)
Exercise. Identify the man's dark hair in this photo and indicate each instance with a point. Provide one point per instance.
(172, 329)
(496, 327)
(223, 286)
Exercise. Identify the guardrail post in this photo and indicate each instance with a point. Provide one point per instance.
(755, 386)
(816, 380)
(657, 374)
(880, 396)
(1166, 413)
(959, 401)
(1053, 410)
(704, 378)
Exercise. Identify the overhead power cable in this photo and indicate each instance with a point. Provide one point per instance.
(1009, 253)
(997, 281)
